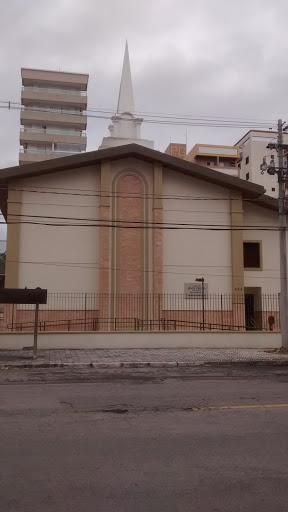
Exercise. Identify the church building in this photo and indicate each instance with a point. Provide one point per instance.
(129, 221)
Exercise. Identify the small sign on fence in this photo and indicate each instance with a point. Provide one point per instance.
(26, 296)
(23, 296)
(195, 290)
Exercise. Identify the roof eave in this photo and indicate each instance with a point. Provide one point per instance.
(249, 190)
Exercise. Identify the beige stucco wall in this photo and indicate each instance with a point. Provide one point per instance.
(188, 254)
(67, 258)
(268, 277)
(71, 254)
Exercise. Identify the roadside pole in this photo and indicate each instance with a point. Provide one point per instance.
(282, 173)
(282, 239)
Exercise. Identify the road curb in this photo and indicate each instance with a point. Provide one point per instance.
(140, 364)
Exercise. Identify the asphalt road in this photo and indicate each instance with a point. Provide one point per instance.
(144, 440)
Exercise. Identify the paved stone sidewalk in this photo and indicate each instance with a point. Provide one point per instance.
(100, 358)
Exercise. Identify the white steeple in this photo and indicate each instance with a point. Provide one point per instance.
(126, 97)
(125, 127)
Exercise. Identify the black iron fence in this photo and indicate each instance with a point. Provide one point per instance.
(149, 312)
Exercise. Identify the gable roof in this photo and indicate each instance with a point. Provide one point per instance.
(248, 189)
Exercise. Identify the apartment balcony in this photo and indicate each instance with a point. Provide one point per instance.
(28, 156)
(32, 77)
(227, 166)
(230, 152)
(56, 117)
(34, 135)
(53, 97)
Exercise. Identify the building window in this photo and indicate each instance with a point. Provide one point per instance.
(252, 255)
(247, 176)
(273, 189)
(247, 160)
(232, 164)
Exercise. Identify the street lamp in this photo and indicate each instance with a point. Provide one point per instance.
(202, 280)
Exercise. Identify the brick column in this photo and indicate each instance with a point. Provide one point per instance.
(157, 252)
(105, 247)
(13, 240)
(236, 215)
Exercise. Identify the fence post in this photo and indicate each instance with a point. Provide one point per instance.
(203, 305)
(85, 313)
(13, 317)
(35, 330)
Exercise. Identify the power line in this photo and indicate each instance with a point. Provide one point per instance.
(212, 123)
(137, 224)
(117, 195)
(153, 227)
(92, 206)
(162, 115)
(96, 266)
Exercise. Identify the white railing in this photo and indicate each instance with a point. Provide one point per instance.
(53, 132)
(51, 90)
(52, 110)
(49, 152)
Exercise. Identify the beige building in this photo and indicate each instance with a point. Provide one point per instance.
(221, 158)
(176, 149)
(53, 119)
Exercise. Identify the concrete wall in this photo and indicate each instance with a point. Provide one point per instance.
(142, 340)
(188, 254)
(60, 258)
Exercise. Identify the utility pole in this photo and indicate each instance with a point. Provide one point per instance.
(282, 176)
(282, 179)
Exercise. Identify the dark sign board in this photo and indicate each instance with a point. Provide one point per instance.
(26, 296)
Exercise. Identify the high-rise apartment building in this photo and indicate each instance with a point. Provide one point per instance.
(53, 119)
(253, 147)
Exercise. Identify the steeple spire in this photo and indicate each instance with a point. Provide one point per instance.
(125, 127)
(126, 97)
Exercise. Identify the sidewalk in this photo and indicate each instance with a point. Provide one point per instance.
(137, 358)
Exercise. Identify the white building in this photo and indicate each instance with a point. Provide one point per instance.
(253, 147)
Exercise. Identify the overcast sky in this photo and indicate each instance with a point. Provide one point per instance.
(202, 57)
